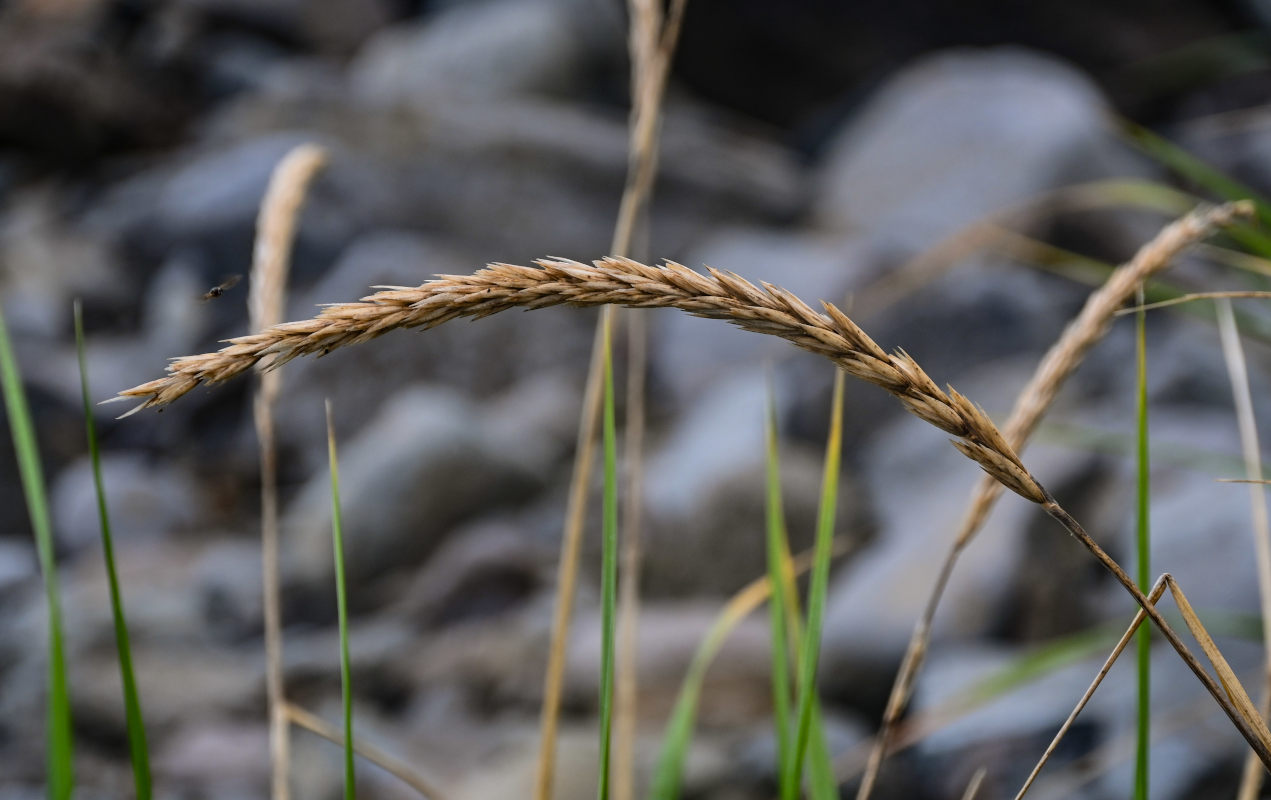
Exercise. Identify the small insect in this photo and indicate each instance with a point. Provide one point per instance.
(225, 286)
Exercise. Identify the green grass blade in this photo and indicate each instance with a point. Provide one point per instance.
(1194, 169)
(811, 640)
(1144, 561)
(1093, 272)
(138, 750)
(61, 776)
(679, 732)
(342, 606)
(822, 783)
(1038, 662)
(609, 567)
(668, 774)
(1207, 177)
(778, 557)
(786, 630)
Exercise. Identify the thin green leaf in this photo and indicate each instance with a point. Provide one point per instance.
(342, 607)
(778, 556)
(1093, 272)
(138, 750)
(1039, 662)
(679, 731)
(61, 775)
(609, 567)
(1119, 443)
(668, 774)
(811, 644)
(1143, 539)
(822, 782)
(1208, 178)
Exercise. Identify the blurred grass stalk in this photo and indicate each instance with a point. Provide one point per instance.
(342, 609)
(652, 38)
(1233, 355)
(60, 755)
(778, 555)
(1143, 539)
(138, 750)
(808, 725)
(276, 225)
(609, 568)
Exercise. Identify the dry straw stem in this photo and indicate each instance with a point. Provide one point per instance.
(271, 260)
(1233, 355)
(1157, 590)
(652, 41)
(1085, 330)
(973, 787)
(1231, 684)
(1190, 298)
(718, 295)
(652, 37)
(393, 766)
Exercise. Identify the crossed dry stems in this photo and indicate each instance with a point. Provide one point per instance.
(716, 295)
(1063, 358)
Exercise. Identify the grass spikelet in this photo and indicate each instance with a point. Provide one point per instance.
(138, 750)
(557, 282)
(60, 755)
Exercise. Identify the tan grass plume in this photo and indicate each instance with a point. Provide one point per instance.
(611, 281)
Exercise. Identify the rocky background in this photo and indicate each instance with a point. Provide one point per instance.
(817, 145)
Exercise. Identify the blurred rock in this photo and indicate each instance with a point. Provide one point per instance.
(48, 262)
(920, 486)
(336, 26)
(179, 684)
(1202, 530)
(204, 204)
(70, 91)
(526, 176)
(230, 759)
(959, 136)
(482, 571)
(1234, 145)
(425, 464)
(228, 576)
(705, 495)
(145, 502)
(483, 49)
(1009, 730)
(977, 315)
(739, 691)
(17, 563)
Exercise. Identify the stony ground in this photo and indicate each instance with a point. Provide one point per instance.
(137, 140)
